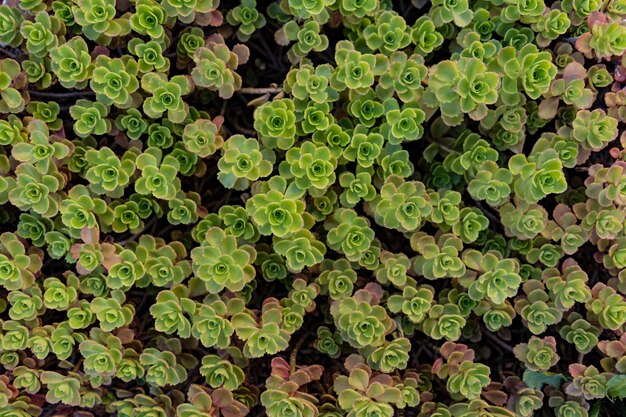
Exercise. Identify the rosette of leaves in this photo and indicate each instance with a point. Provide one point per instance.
(614, 258)
(360, 321)
(41, 34)
(587, 382)
(402, 205)
(11, 19)
(356, 188)
(90, 118)
(126, 217)
(262, 335)
(203, 400)
(415, 303)
(388, 34)
(523, 220)
(164, 264)
(12, 131)
(476, 151)
(275, 123)
(607, 184)
(308, 82)
(463, 376)
(237, 223)
(210, 324)
(604, 39)
(247, 19)
(492, 277)
(337, 279)
(491, 184)
(474, 46)
(579, 332)
(111, 312)
(41, 150)
(445, 205)
(463, 86)
(114, 80)
(215, 68)
(158, 174)
(349, 234)
(303, 294)
(63, 389)
(186, 12)
(183, 208)
(11, 101)
(71, 63)
(102, 353)
(220, 263)
(149, 54)
(107, 173)
(402, 124)
(220, 372)
(550, 26)
(171, 310)
(148, 19)
(568, 286)
(536, 309)
(394, 269)
(471, 223)
(132, 123)
(37, 191)
(166, 96)
(316, 10)
(362, 393)
(300, 249)
(284, 394)
(527, 69)
(356, 71)
(600, 222)
(161, 367)
(25, 305)
(364, 147)
(438, 258)
(275, 213)
(571, 89)
(58, 295)
(191, 38)
(567, 149)
(446, 11)
(328, 342)
(97, 20)
(310, 167)
(406, 73)
(444, 321)
(202, 137)
(566, 230)
(593, 130)
(272, 265)
(390, 357)
(607, 306)
(46, 112)
(538, 354)
(15, 336)
(537, 176)
(312, 117)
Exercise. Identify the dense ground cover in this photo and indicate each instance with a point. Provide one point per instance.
(310, 208)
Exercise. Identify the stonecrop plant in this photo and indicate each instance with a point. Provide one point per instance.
(312, 208)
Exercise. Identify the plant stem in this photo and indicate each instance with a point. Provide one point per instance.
(251, 90)
(497, 341)
(294, 353)
(68, 94)
(441, 145)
